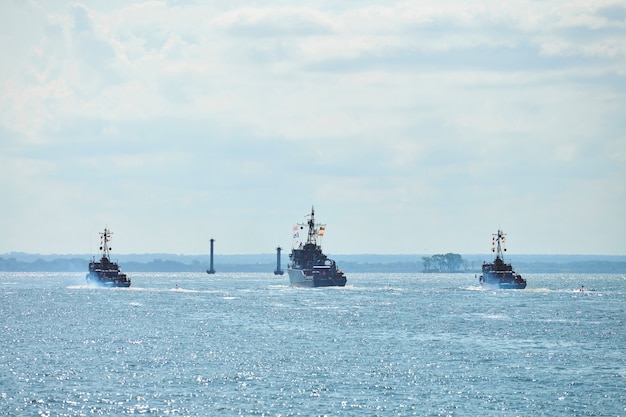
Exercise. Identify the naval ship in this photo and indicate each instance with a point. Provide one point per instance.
(104, 272)
(499, 274)
(308, 266)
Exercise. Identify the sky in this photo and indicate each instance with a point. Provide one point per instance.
(412, 127)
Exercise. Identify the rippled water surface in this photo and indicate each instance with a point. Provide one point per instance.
(248, 344)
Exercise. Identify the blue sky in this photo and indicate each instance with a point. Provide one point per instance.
(412, 127)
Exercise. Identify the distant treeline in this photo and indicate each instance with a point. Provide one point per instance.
(41, 265)
(583, 267)
(156, 265)
(448, 263)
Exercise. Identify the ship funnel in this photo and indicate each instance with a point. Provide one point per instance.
(278, 271)
(211, 270)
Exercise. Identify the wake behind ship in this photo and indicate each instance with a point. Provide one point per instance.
(498, 273)
(308, 266)
(105, 272)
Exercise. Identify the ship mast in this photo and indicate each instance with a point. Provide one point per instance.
(497, 243)
(105, 238)
(315, 230)
(312, 233)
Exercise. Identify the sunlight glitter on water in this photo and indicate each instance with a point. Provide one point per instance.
(396, 344)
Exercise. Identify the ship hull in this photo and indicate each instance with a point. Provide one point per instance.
(298, 279)
(503, 280)
(113, 279)
(314, 278)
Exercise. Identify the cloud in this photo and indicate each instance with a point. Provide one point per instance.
(409, 120)
(274, 22)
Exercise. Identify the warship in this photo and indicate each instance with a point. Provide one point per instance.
(308, 266)
(104, 272)
(499, 274)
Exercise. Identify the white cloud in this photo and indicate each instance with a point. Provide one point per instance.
(410, 116)
(273, 21)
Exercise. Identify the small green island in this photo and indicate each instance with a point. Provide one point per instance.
(450, 262)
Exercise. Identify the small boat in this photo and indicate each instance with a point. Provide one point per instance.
(105, 272)
(499, 274)
(308, 266)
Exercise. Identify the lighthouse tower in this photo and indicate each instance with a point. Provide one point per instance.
(278, 271)
(211, 270)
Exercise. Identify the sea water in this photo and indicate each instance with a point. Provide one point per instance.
(249, 344)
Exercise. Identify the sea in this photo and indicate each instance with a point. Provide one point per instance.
(231, 344)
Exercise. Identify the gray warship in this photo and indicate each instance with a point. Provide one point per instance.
(104, 272)
(308, 266)
(499, 274)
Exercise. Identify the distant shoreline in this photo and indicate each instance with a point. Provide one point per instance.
(24, 262)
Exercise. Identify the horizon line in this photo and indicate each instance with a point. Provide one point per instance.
(334, 254)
